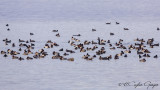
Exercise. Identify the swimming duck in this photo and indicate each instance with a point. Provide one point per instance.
(21, 40)
(58, 35)
(103, 58)
(77, 35)
(117, 23)
(142, 60)
(93, 30)
(65, 54)
(156, 56)
(111, 34)
(61, 49)
(14, 57)
(5, 55)
(20, 58)
(108, 23)
(31, 34)
(54, 30)
(29, 58)
(8, 29)
(7, 25)
(125, 28)
(3, 52)
(32, 40)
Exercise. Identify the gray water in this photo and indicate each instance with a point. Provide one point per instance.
(78, 17)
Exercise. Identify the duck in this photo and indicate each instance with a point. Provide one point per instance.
(125, 28)
(20, 58)
(108, 23)
(140, 56)
(55, 44)
(49, 41)
(156, 56)
(61, 49)
(65, 54)
(54, 30)
(108, 41)
(90, 59)
(8, 29)
(25, 52)
(55, 57)
(46, 46)
(31, 34)
(86, 42)
(32, 40)
(103, 58)
(125, 55)
(113, 48)
(29, 58)
(77, 35)
(94, 42)
(13, 45)
(142, 60)
(111, 34)
(14, 57)
(139, 52)
(56, 53)
(93, 30)
(94, 56)
(70, 59)
(70, 51)
(8, 41)
(116, 57)
(82, 50)
(7, 25)
(58, 35)
(27, 41)
(156, 44)
(21, 40)
(146, 55)
(117, 23)
(5, 55)
(3, 52)
(62, 58)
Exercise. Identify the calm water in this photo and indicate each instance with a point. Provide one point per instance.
(72, 17)
(49, 74)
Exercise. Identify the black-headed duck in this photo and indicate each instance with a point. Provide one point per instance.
(125, 28)
(20, 58)
(111, 34)
(156, 56)
(54, 30)
(58, 35)
(93, 30)
(31, 33)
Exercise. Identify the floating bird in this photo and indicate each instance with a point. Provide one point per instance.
(117, 23)
(54, 30)
(142, 60)
(108, 23)
(8, 29)
(58, 35)
(125, 28)
(7, 25)
(111, 33)
(31, 34)
(93, 30)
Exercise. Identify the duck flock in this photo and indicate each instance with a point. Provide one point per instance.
(90, 49)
